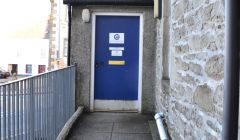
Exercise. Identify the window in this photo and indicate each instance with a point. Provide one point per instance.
(13, 68)
(58, 54)
(66, 13)
(41, 68)
(65, 49)
(29, 68)
(43, 53)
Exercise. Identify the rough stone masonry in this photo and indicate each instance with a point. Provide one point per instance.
(191, 95)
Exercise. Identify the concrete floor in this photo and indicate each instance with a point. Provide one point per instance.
(112, 126)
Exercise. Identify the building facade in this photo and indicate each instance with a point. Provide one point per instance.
(24, 45)
(25, 57)
(58, 35)
(181, 57)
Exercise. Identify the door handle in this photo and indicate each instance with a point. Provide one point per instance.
(98, 64)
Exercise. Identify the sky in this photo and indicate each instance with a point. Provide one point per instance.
(23, 16)
(22, 27)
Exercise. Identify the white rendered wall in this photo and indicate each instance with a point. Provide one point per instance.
(24, 51)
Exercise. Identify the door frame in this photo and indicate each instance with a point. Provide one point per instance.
(94, 14)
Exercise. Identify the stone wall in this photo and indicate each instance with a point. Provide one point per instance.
(192, 99)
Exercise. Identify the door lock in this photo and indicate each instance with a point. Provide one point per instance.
(97, 64)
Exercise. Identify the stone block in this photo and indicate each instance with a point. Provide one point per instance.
(217, 43)
(218, 95)
(193, 4)
(205, 40)
(213, 126)
(217, 12)
(198, 43)
(181, 65)
(196, 68)
(180, 107)
(220, 39)
(210, 136)
(214, 67)
(212, 46)
(190, 20)
(188, 134)
(197, 119)
(195, 42)
(206, 12)
(179, 33)
(180, 125)
(179, 89)
(188, 113)
(178, 77)
(203, 98)
(180, 21)
(190, 79)
(196, 56)
(218, 111)
(179, 8)
(181, 49)
(183, 93)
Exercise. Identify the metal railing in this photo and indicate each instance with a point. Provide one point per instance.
(36, 108)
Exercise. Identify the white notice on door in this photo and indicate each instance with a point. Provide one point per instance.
(116, 38)
(116, 53)
(116, 48)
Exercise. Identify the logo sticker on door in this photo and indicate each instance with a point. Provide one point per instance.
(116, 38)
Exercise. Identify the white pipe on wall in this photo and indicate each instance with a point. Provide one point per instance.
(159, 120)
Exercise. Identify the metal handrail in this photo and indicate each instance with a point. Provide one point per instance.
(40, 74)
(37, 107)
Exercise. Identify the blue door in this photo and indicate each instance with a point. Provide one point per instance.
(116, 58)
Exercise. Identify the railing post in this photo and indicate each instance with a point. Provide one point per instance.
(1, 112)
(24, 109)
(4, 113)
(21, 110)
(47, 108)
(54, 103)
(9, 110)
(32, 106)
(18, 109)
(13, 133)
(74, 83)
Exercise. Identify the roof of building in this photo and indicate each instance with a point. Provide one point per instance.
(110, 2)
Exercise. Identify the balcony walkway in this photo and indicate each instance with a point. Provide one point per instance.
(112, 126)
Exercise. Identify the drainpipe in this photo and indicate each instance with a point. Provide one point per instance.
(159, 120)
(231, 71)
(69, 33)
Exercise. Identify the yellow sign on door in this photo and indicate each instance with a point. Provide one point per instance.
(116, 62)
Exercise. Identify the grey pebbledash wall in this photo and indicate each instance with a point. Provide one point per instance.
(81, 52)
(191, 96)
